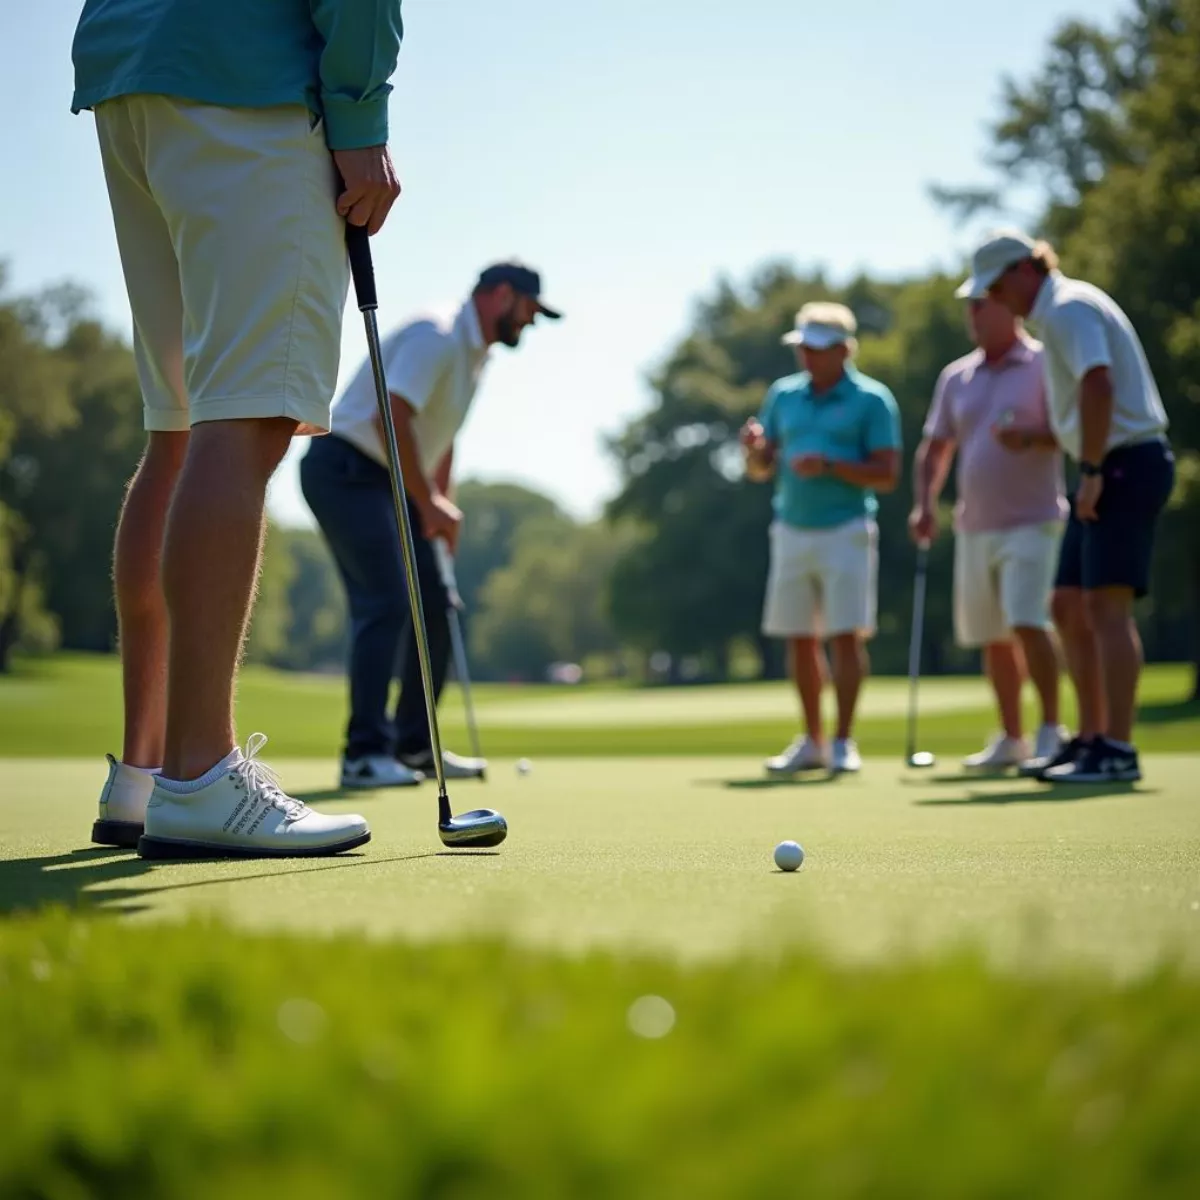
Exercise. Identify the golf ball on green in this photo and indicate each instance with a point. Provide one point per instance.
(523, 766)
(788, 855)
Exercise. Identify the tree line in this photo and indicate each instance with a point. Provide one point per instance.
(670, 579)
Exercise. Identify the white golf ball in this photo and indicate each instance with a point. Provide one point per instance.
(524, 766)
(788, 855)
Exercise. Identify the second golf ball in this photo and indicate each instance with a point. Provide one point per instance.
(788, 855)
(523, 766)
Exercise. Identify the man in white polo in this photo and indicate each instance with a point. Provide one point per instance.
(830, 436)
(1107, 415)
(989, 408)
(433, 366)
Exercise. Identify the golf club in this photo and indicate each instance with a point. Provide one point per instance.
(445, 562)
(481, 827)
(917, 758)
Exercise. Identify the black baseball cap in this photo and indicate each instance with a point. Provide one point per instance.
(523, 279)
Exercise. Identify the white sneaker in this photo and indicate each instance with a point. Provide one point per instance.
(243, 812)
(377, 771)
(803, 754)
(1000, 753)
(454, 766)
(846, 757)
(122, 806)
(1049, 741)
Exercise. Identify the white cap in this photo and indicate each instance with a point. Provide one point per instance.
(1003, 249)
(822, 325)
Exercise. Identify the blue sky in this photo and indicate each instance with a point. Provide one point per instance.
(635, 151)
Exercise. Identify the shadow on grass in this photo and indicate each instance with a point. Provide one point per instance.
(1041, 795)
(916, 779)
(761, 782)
(91, 880)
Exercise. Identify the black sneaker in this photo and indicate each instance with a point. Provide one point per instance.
(1071, 751)
(1101, 762)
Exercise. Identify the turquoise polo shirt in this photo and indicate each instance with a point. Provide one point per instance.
(855, 418)
(334, 56)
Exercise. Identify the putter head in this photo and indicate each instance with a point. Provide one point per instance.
(921, 758)
(474, 830)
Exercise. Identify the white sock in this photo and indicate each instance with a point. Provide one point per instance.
(144, 770)
(183, 787)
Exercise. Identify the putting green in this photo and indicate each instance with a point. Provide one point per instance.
(675, 855)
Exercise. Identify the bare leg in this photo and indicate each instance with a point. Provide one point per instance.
(141, 609)
(851, 665)
(1006, 670)
(1110, 614)
(210, 563)
(808, 669)
(1082, 654)
(1041, 657)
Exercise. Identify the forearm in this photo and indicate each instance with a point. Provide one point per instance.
(442, 476)
(930, 469)
(879, 477)
(1095, 415)
(416, 483)
(362, 43)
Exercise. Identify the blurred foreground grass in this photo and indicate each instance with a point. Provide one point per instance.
(193, 1060)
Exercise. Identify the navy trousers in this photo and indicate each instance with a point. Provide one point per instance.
(350, 496)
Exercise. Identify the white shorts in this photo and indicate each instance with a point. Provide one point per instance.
(234, 258)
(1003, 580)
(822, 582)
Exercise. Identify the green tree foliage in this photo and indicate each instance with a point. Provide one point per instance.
(548, 604)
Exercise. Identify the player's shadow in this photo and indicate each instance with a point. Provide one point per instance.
(1059, 794)
(96, 880)
(767, 782)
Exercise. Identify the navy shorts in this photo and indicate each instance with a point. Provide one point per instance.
(1117, 549)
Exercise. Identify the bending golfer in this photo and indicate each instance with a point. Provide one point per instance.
(216, 122)
(990, 408)
(1106, 413)
(432, 368)
(831, 438)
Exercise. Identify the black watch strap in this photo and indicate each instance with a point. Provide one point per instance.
(1089, 468)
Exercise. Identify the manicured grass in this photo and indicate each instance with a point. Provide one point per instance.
(673, 855)
(195, 1061)
(70, 706)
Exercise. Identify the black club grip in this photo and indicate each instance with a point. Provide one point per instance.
(362, 269)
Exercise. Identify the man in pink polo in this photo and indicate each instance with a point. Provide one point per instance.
(990, 408)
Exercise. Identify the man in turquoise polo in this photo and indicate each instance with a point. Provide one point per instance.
(830, 437)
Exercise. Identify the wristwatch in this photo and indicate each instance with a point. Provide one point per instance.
(1090, 468)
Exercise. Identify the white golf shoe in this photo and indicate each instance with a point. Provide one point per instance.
(377, 771)
(454, 766)
(122, 806)
(1001, 753)
(243, 812)
(846, 758)
(803, 754)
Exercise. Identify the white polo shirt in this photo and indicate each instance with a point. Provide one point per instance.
(1082, 328)
(435, 363)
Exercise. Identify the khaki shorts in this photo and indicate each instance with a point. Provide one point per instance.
(1002, 581)
(822, 582)
(234, 258)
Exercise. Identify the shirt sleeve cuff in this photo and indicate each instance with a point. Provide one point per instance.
(353, 124)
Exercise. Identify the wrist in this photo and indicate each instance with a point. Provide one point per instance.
(1089, 467)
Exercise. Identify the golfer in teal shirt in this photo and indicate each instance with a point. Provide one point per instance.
(830, 436)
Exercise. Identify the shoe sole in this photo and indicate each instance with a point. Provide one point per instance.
(160, 848)
(359, 785)
(1121, 777)
(122, 834)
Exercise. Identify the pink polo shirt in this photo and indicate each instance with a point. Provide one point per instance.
(998, 488)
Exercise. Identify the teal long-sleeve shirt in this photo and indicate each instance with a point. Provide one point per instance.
(335, 56)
